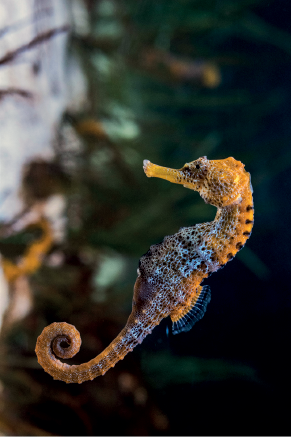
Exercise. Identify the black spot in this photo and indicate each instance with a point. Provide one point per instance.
(197, 166)
(246, 233)
(249, 221)
(239, 245)
(249, 207)
(230, 255)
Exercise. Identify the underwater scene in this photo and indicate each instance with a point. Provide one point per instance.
(99, 101)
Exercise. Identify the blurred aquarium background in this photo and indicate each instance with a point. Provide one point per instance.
(88, 89)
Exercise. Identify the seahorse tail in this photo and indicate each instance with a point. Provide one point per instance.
(60, 340)
(63, 340)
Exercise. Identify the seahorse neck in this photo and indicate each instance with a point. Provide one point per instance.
(232, 227)
(226, 221)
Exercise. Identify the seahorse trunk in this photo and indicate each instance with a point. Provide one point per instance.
(64, 341)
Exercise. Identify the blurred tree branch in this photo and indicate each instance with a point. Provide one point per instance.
(35, 41)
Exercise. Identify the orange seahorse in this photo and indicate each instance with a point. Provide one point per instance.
(170, 273)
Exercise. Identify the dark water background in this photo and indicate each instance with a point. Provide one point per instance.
(229, 374)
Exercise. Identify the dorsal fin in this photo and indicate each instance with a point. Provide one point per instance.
(195, 313)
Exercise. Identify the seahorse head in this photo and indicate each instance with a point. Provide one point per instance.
(219, 182)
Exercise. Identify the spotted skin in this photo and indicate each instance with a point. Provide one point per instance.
(170, 273)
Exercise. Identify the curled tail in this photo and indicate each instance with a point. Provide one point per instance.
(63, 341)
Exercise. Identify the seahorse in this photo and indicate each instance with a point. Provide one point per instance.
(171, 272)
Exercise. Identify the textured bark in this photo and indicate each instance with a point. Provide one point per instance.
(34, 89)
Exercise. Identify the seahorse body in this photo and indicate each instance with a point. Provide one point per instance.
(170, 273)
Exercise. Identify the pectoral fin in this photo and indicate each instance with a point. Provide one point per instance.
(193, 313)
